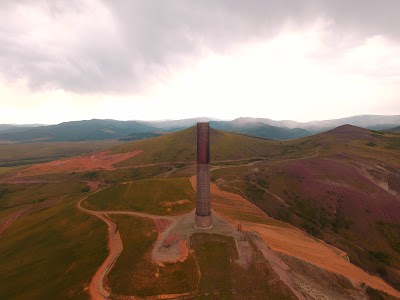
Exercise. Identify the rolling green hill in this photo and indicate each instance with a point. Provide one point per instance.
(79, 131)
(395, 130)
(181, 147)
(349, 190)
(259, 129)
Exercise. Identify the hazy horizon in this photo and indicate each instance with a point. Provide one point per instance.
(198, 117)
(145, 60)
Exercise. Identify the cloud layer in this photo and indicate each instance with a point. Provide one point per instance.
(152, 51)
(116, 46)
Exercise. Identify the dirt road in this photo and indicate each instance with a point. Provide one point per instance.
(96, 288)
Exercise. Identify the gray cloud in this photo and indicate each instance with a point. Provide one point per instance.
(119, 46)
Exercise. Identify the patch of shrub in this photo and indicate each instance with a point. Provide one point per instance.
(91, 175)
(371, 144)
(311, 229)
(85, 189)
(374, 294)
(381, 270)
(380, 256)
(4, 192)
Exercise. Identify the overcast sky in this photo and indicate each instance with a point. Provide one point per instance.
(301, 60)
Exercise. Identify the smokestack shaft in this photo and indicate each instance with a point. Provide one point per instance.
(203, 203)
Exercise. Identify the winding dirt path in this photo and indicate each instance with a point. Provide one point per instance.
(96, 289)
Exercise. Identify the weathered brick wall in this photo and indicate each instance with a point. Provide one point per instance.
(203, 143)
(203, 203)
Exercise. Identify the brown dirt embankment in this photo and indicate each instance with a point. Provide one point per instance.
(286, 239)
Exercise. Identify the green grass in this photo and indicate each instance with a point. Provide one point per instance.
(378, 295)
(214, 254)
(12, 195)
(6, 213)
(27, 153)
(222, 278)
(392, 234)
(135, 274)
(181, 147)
(51, 254)
(154, 196)
(108, 176)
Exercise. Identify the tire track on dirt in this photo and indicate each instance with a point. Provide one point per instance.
(14, 217)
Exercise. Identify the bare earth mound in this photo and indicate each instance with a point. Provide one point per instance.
(93, 161)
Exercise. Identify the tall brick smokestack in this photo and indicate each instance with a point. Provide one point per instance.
(203, 204)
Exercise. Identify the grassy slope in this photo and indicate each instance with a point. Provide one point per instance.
(106, 176)
(148, 195)
(51, 254)
(18, 154)
(13, 195)
(222, 278)
(331, 197)
(6, 213)
(181, 147)
(135, 266)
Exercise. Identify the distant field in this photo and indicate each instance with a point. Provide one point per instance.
(17, 154)
(170, 196)
(107, 176)
(51, 254)
(135, 274)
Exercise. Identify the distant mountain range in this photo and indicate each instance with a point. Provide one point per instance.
(78, 131)
(259, 129)
(133, 130)
(395, 130)
(16, 127)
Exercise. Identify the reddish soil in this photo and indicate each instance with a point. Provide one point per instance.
(299, 245)
(312, 250)
(229, 203)
(169, 241)
(93, 161)
(162, 224)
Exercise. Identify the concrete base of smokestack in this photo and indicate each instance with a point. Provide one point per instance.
(203, 222)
